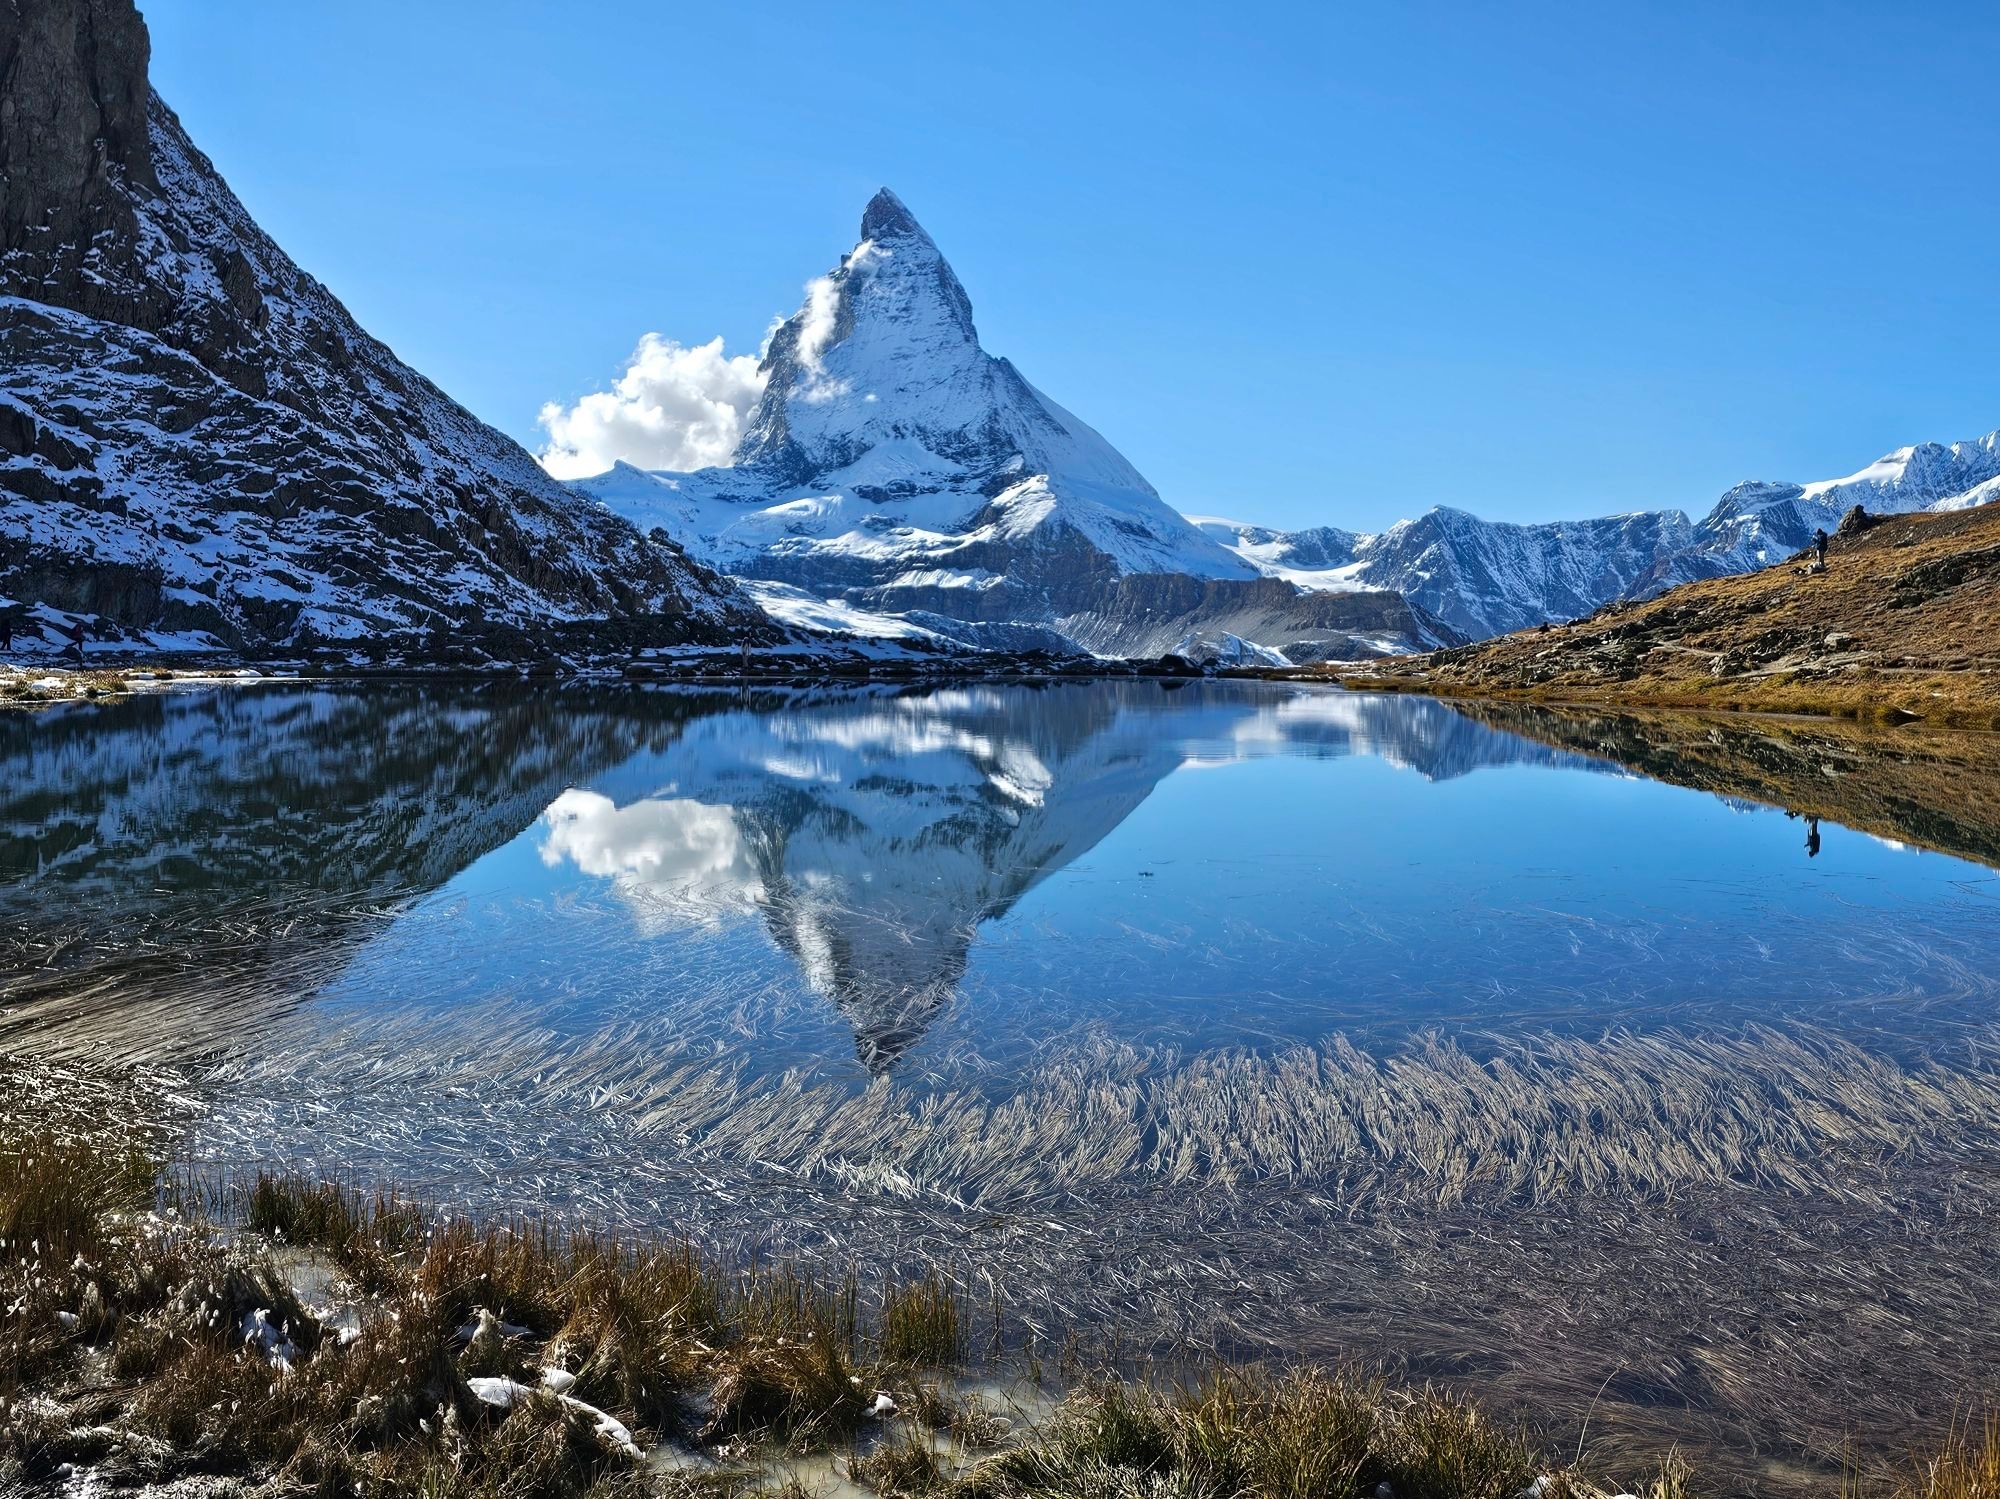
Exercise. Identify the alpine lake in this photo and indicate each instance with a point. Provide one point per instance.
(1633, 1064)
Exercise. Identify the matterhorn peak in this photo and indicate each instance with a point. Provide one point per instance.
(887, 217)
(879, 379)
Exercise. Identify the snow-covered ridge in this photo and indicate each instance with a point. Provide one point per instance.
(198, 442)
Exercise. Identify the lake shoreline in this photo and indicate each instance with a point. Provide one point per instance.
(1976, 705)
(38, 685)
(34, 686)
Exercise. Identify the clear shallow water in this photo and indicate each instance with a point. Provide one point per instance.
(1137, 996)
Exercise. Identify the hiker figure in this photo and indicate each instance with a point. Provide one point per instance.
(6, 632)
(1819, 545)
(76, 638)
(1812, 837)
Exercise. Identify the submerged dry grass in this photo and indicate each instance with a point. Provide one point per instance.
(442, 1357)
(1534, 1119)
(1752, 1243)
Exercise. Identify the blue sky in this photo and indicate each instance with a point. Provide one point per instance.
(1302, 263)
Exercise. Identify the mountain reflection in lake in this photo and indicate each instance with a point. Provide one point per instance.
(1137, 996)
(1201, 863)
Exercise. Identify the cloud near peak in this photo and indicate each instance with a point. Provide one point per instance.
(677, 406)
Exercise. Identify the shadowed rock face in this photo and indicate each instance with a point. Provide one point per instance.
(196, 437)
(74, 141)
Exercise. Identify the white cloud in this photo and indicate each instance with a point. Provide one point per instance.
(677, 862)
(816, 319)
(820, 317)
(676, 407)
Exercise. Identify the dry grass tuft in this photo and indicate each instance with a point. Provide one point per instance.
(923, 1323)
(1965, 1466)
(900, 1469)
(1244, 1433)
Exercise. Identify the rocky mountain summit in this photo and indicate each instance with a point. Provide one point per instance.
(1480, 577)
(894, 466)
(1756, 524)
(199, 446)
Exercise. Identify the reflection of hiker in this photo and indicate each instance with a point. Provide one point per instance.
(1819, 545)
(1812, 836)
(76, 638)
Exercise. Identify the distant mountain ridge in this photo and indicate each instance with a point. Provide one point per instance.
(1488, 578)
(893, 465)
(1900, 625)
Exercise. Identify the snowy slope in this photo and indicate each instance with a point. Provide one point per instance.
(809, 614)
(196, 437)
(893, 465)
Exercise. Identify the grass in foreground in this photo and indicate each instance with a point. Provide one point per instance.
(516, 1360)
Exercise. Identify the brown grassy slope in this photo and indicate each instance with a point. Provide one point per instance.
(1904, 622)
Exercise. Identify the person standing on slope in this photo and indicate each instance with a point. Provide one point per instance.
(1819, 545)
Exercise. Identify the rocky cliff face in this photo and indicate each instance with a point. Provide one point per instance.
(198, 443)
(893, 464)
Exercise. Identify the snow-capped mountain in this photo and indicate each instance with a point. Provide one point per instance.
(197, 442)
(1489, 577)
(1480, 577)
(1756, 524)
(894, 465)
